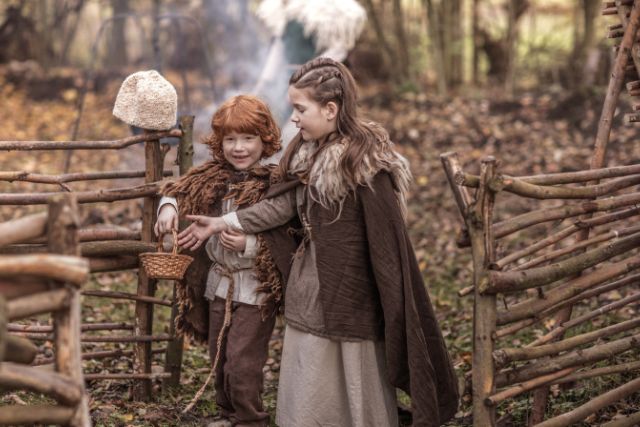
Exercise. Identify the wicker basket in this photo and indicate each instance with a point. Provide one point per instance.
(163, 265)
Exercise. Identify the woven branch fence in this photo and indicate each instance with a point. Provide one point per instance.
(556, 267)
(106, 249)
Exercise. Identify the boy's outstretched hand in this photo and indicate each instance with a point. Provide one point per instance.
(200, 230)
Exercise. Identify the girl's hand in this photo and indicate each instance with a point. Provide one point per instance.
(167, 220)
(200, 230)
(233, 240)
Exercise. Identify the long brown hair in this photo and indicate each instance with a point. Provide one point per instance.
(327, 81)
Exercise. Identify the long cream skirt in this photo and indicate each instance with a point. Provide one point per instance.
(333, 383)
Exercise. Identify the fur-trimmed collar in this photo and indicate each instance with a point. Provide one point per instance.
(330, 183)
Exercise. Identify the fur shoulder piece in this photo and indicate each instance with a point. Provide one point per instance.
(332, 185)
(332, 23)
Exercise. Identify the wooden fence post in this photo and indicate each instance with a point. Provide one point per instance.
(62, 230)
(184, 160)
(479, 219)
(146, 287)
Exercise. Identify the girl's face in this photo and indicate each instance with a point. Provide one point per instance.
(242, 150)
(313, 119)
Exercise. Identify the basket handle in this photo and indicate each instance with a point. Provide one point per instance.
(175, 242)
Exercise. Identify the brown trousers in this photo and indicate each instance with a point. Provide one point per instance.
(239, 378)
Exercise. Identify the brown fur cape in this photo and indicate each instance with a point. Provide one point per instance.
(201, 192)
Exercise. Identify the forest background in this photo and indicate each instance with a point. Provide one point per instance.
(523, 80)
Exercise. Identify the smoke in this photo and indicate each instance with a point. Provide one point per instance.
(246, 60)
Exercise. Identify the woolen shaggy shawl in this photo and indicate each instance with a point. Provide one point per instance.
(201, 192)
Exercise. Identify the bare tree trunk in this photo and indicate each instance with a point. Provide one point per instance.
(118, 42)
(436, 42)
(581, 68)
(511, 44)
(476, 42)
(401, 39)
(454, 40)
(387, 52)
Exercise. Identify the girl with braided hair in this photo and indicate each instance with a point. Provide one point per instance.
(232, 290)
(359, 319)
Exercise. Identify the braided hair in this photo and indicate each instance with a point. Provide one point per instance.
(327, 81)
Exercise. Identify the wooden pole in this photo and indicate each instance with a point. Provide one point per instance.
(146, 287)
(35, 415)
(22, 229)
(86, 145)
(479, 221)
(594, 405)
(105, 195)
(184, 160)
(62, 231)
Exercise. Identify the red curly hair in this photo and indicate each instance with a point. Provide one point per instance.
(243, 114)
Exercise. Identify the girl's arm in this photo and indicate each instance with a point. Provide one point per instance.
(167, 216)
(264, 215)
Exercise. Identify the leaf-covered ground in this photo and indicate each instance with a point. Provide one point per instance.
(547, 131)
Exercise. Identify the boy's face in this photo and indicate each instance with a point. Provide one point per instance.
(313, 119)
(242, 150)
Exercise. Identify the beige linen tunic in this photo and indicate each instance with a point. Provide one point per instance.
(240, 264)
(324, 381)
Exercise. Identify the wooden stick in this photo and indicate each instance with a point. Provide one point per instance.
(14, 327)
(526, 386)
(469, 180)
(146, 287)
(598, 372)
(594, 405)
(587, 316)
(465, 291)
(95, 338)
(105, 195)
(173, 357)
(19, 350)
(506, 355)
(577, 225)
(57, 267)
(35, 414)
(531, 306)
(479, 220)
(102, 355)
(509, 330)
(504, 228)
(117, 263)
(87, 145)
(116, 247)
(628, 421)
(32, 305)
(19, 377)
(22, 229)
(132, 338)
(451, 165)
(525, 189)
(25, 176)
(127, 376)
(575, 358)
(97, 234)
(125, 295)
(515, 327)
(90, 249)
(512, 281)
(62, 238)
(603, 237)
